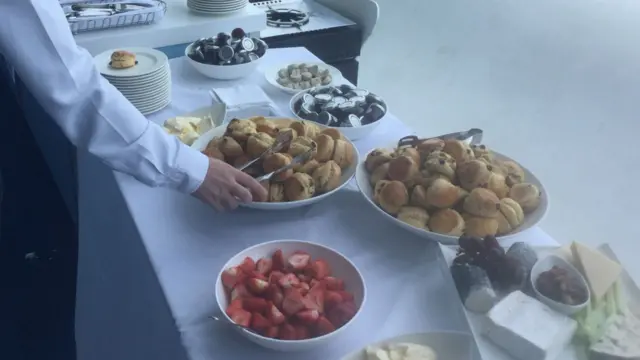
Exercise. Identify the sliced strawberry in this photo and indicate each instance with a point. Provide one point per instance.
(308, 316)
(271, 332)
(274, 294)
(275, 276)
(313, 282)
(319, 269)
(304, 288)
(275, 315)
(255, 304)
(232, 276)
(302, 332)
(323, 326)
(257, 286)
(248, 265)
(334, 283)
(304, 278)
(293, 302)
(342, 313)
(241, 317)
(263, 266)
(259, 322)
(314, 300)
(298, 262)
(257, 275)
(288, 281)
(236, 303)
(287, 332)
(346, 296)
(240, 291)
(331, 299)
(277, 260)
(231, 310)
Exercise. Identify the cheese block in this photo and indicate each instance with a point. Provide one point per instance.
(528, 329)
(401, 351)
(600, 271)
(621, 341)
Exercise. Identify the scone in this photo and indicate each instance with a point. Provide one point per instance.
(276, 161)
(481, 152)
(230, 148)
(294, 134)
(439, 162)
(327, 176)
(410, 152)
(419, 197)
(414, 216)
(527, 195)
(480, 226)
(391, 196)
(343, 153)
(376, 158)
(258, 143)
(309, 167)
(325, 149)
(299, 186)
(402, 168)
(427, 178)
(213, 152)
(266, 126)
(482, 202)
(428, 146)
(304, 128)
(460, 151)
(473, 174)
(240, 160)
(380, 173)
(122, 59)
(301, 145)
(498, 185)
(510, 216)
(276, 192)
(442, 194)
(333, 132)
(513, 171)
(238, 124)
(447, 222)
(242, 134)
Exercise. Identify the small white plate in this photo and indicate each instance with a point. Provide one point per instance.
(151, 101)
(546, 264)
(155, 94)
(271, 75)
(149, 61)
(157, 107)
(141, 80)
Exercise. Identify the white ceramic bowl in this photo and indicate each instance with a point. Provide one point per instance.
(547, 263)
(530, 220)
(352, 133)
(223, 72)
(347, 174)
(271, 75)
(341, 267)
(446, 345)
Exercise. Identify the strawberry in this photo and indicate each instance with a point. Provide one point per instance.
(239, 291)
(287, 332)
(232, 310)
(241, 317)
(314, 300)
(313, 282)
(288, 281)
(323, 326)
(248, 265)
(304, 278)
(304, 288)
(319, 269)
(298, 262)
(257, 286)
(232, 276)
(259, 322)
(277, 260)
(334, 283)
(275, 315)
(346, 296)
(271, 332)
(257, 275)
(275, 276)
(293, 302)
(308, 316)
(342, 313)
(236, 303)
(263, 266)
(331, 299)
(274, 294)
(255, 304)
(302, 332)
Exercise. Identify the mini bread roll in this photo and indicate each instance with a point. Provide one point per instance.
(419, 197)
(410, 152)
(503, 225)
(482, 202)
(242, 135)
(428, 178)
(473, 174)
(276, 192)
(240, 160)
(122, 59)
(498, 185)
(326, 146)
(299, 186)
(402, 168)
(391, 196)
(414, 216)
(481, 152)
(376, 158)
(213, 152)
(377, 190)
(480, 226)
(439, 162)
(309, 166)
(301, 145)
(442, 194)
(343, 153)
(237, 124)
(294, 134)
(276, 161)
(460, 151)
(527, 195)
(428, 146)
(304, 128)
(447, 222)
(327, 176)
(380, 173)
(510, 217)
(333, 132)
(513, 171)
(230, 147)
(258, 143)
(265, 126)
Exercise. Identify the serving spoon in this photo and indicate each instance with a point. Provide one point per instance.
(232, 324)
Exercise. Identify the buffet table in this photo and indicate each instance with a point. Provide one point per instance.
(149, 257)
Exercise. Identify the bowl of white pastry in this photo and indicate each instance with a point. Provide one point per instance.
(293, 77)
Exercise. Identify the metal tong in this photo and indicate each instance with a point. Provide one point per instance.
(282, 139)
(474, 134)
(300, 159)
(118, 7)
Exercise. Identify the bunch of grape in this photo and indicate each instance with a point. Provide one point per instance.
(505, 273)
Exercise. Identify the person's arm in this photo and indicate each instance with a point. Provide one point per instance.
(35, 39)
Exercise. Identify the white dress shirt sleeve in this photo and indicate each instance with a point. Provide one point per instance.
(35, 39)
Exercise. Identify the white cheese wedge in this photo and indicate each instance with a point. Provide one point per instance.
(187, 129)
(528, 329)
(621, 341)
(401, 351)
(600, 271)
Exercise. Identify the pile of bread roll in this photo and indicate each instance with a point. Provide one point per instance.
(451, 188)
(245, 140)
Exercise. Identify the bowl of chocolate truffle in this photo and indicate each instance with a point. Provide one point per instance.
(357, 112)
(226, 56)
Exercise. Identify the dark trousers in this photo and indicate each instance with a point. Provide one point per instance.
(38, 247)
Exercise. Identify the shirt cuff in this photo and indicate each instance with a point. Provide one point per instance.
(193, 165)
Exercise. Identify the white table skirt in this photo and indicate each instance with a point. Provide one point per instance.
(149, 257)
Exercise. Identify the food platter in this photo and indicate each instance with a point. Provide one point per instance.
(272, 76)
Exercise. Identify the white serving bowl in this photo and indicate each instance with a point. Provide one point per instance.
(222, 72)
(351, 133)
(530, 220)
(341, 267)
(347, 174)
(446, 345)
(547, 263)
(271, 75)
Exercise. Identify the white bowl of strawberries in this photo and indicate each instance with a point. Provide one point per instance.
(294, 295)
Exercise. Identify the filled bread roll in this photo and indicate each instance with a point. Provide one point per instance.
(497, 183)
(427, 178)
(230, 147)
(442, 194)
(481, 152)
(527, 195)
(447, 222)
(276, 192)
(304, 128)
(419, 197)
(258, 143)
(482, 202)
(333, 132)
(238, 124)
(301, 145)
(410, 152)
(428, 146)
(391, 196)
(309, 166)
(299, 186)
(343, 153)
(380, 173)
(510, 217)
(439, 162)
(242, 135)
(414, 216)
(460, 151)
(327, 176)
(276, 161)
(513, 172)
(122, 59)
(326, 146)
(402, 168)
(376, 158)
(480, 226)
(265, 126)
(294, 134)
(473, 174)
(213, 152)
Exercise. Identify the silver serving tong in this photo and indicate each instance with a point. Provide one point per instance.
(232, 324)
(300, 159)
(282, 139)
(474, 134)
(118, 8)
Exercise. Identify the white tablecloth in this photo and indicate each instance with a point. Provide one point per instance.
(149, 257)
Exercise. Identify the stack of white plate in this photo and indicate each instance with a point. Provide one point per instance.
(147, 85)
(216, 6)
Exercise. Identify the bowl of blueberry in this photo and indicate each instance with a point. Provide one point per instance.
(226, 56)
(357, 112)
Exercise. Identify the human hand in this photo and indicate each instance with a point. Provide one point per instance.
(225, 186)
